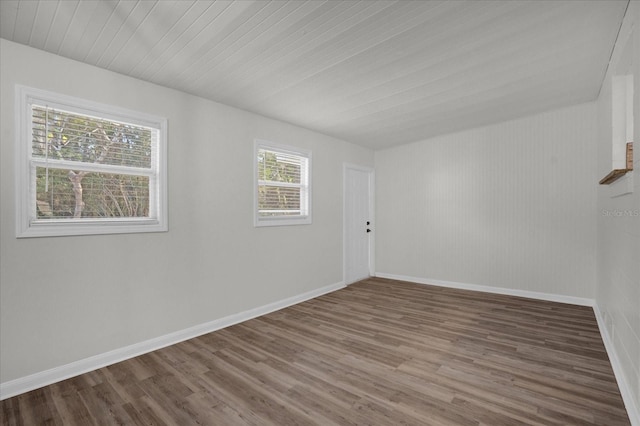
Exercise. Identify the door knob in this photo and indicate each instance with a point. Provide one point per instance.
(368, 230)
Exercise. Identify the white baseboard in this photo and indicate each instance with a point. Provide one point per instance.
(496, 290)
(47, 377)
(625, 390)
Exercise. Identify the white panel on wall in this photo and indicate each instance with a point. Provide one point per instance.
(509, 205)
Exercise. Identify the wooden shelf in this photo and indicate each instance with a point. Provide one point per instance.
(616, 174)
(613, 176)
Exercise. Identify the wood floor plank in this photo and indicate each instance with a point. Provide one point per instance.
(379, 352)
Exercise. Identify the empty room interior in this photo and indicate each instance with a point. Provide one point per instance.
(296, 212)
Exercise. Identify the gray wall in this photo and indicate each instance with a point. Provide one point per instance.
(618, 292)
(510, 205)
(68, 298)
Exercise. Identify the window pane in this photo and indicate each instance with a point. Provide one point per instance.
(75, 137)
(69, 195)
(278, 201)
(279, 167)
(283, 195)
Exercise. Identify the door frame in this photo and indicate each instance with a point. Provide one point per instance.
(372, 235)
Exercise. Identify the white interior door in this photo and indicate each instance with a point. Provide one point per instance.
(358, 223)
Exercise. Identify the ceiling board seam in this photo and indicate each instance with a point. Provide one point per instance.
(189, 41)
(422, 85)
(35, 16)
(209, 60)
(133, 32)
(416, 120)
(75, 11)
(193, 3)
(178, 36)
(258, 60)
(300, 47)
(123, 25)
(268, 98)
(106, 49)
(253, 40)
(15, 22)
(606, 70)
(53, 19)
(106, 22)
(392, 114)
(422, 68)
(338, 61)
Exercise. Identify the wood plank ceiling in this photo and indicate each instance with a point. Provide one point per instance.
(377, 73)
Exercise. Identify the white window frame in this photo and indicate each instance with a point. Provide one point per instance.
(27, 224)
(305, 217)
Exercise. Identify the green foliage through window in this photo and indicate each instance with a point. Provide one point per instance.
(89, 167)
(282, 184)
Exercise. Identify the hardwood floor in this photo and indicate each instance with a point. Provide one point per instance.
(380, 352)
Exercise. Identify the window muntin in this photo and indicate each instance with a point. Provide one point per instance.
(283, 185)
(87, 168)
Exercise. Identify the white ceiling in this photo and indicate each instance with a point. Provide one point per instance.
(377, 73)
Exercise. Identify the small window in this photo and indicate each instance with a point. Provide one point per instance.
(283, 185)
(87, 168)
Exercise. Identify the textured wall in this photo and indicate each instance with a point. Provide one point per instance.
(510, 205)
(67, 298)
(618, 293)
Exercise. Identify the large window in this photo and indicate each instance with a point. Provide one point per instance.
(283, 187)
(87, 168)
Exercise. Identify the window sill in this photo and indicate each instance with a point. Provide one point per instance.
(304, 220)
(60, 228)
